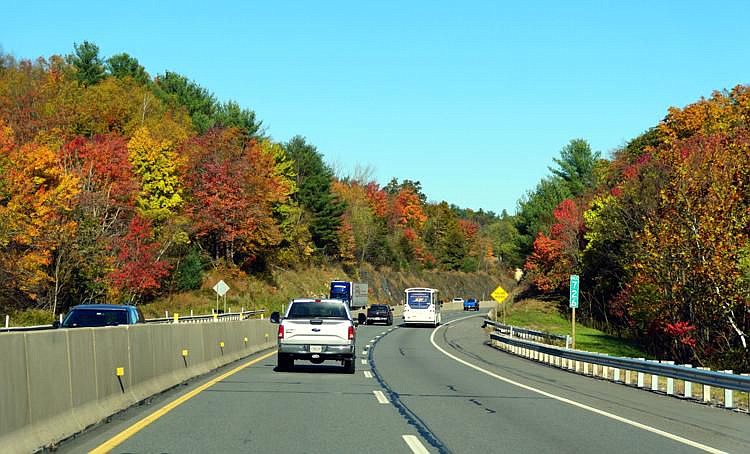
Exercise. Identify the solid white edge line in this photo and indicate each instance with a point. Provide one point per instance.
(414, 444)
(380, 396)
(630, 422)
(368, 374)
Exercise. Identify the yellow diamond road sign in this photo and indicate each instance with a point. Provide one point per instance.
(499, 294)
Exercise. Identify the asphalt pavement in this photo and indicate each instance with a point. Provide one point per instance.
(409, 395)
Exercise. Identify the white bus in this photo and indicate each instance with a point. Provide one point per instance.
(422, 306)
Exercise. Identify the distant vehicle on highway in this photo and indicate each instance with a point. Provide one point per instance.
(471, 304)
(379, 313)
(354, 294)
(422, 306)
(93, 315)
(316, 330)
(457, 300)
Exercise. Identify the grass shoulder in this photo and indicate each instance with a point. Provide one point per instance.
(544, 316)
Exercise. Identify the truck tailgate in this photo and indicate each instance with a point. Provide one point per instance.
(329, 332)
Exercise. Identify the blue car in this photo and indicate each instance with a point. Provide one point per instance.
(471, 304)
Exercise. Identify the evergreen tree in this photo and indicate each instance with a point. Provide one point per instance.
(314, 180)
(230, 114)
(576, 166)
(89, 66)
(123, 65)
(199, 102)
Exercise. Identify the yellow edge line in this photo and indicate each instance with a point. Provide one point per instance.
(135, 428)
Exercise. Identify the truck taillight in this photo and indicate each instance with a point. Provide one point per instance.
(351, 332)
(281, 331)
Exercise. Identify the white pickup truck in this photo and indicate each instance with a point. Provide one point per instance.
(316, 330)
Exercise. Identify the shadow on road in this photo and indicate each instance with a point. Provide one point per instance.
(307, 368)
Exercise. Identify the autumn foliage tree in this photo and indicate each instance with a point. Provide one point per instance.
(232, 191)
(137, 265)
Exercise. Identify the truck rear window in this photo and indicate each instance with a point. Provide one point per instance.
(317, 310)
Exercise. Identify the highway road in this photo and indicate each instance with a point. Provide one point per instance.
(415, 390)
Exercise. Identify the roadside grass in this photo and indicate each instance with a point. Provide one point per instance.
(542, 316)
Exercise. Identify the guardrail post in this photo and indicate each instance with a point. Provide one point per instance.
(640, 376)
(728, 394)
(616, 376)
(670, 381)
(567, 341)
(688, 392)
(654, 381)
(706, 388)
(627, 377)
(748, 395)
(585, 368)
(7, 321)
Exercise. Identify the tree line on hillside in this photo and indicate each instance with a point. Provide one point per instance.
(659, 233)
(121, 187)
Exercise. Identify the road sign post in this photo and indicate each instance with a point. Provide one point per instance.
(221, 288)
(574, 290)
(499, 295)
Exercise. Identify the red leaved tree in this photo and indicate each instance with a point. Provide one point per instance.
(231, 191)
(138, 268)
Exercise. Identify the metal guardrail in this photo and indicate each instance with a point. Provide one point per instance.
(693, 375)
(9, 329)
(525, 333)
(230, 316)
(180, 319)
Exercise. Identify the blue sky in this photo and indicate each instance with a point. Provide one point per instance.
(472, 98)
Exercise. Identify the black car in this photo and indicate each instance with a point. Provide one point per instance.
(379, 313)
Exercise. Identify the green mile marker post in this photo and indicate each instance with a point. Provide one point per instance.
(574, 290)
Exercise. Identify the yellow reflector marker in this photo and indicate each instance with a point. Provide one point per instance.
(184, 353)
(120, 371)
(245, 340)
(118, 439)
(176, 317)
(221, 344)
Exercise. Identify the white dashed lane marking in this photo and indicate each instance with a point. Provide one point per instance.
(381, 397)
(414, 444)
(368, 374)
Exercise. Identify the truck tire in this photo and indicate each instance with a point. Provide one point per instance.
(349, 366)
(284, 362)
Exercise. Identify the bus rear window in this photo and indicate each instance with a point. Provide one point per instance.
(419, 300)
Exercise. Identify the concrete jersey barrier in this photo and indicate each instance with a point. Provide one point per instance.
(54, 384)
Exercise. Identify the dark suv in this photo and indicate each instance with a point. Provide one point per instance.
(379, 313)
(89, 315)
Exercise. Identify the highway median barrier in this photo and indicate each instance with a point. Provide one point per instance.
(56, 383)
